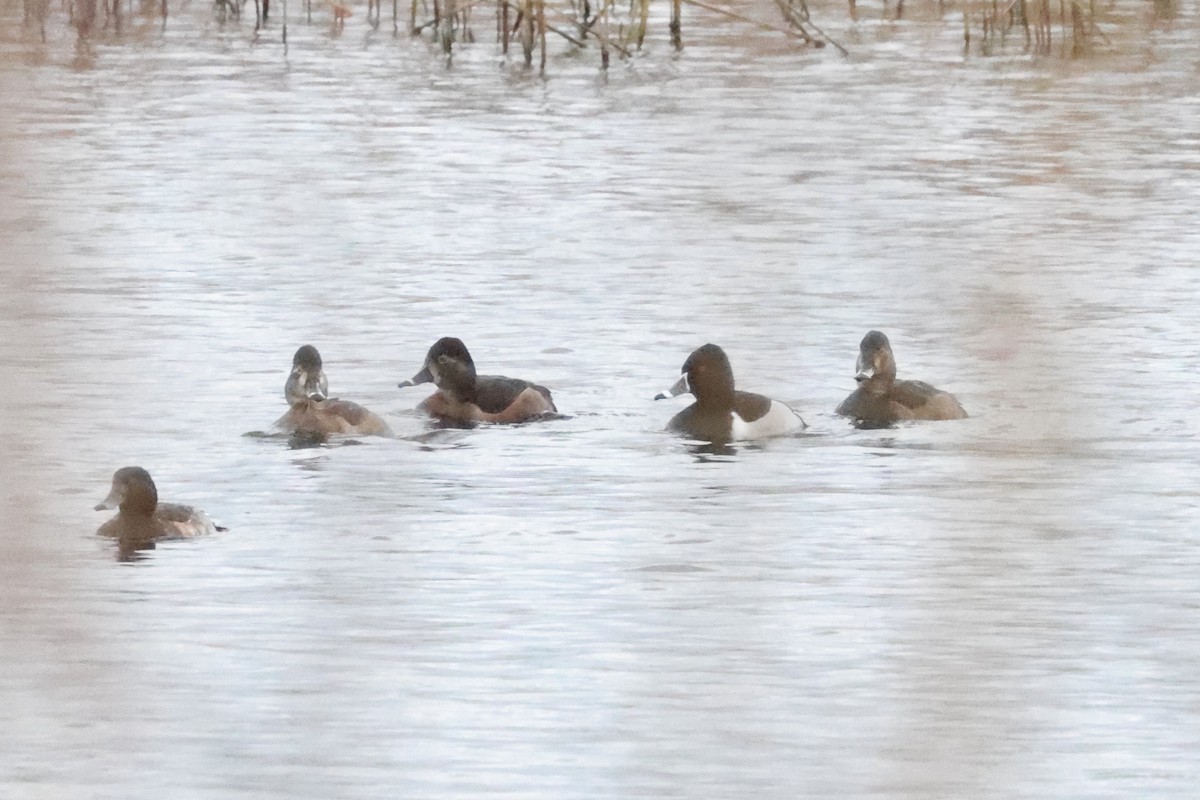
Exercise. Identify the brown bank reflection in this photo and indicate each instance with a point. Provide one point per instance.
(58, 682)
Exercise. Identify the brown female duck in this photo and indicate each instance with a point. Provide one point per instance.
(880, 399)
(313, 412)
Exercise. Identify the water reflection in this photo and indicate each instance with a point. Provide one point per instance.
(310, 461)
(705, 452)
(873, 424)
(1166, 9)
(305, 440)
(133, 551)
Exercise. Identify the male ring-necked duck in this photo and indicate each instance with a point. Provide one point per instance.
(314, 412)
(142, 519)
(721, 413)
(465, 397)
(880, 399)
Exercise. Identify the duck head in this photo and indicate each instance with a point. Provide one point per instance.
(133, 490)
(875, 369)
(306, 382)
(448, 364)
(707, 375)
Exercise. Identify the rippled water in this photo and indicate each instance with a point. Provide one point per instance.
(1001, 607)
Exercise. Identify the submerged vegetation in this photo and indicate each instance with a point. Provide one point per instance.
(1034, 20)
(613, 27)
(1042, 27)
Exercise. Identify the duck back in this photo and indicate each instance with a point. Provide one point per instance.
(926, 402)
(330, 417)
(494, 394)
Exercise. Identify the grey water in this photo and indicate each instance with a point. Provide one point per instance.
(590, 607)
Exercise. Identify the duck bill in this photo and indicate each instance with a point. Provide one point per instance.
(424, 376)
(112, 501)
(681, 387)
(303, 386)
(863, 371)
(318, 388)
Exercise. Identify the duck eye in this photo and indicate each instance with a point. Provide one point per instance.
(443, 359)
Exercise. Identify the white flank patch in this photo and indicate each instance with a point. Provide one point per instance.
(776, 422)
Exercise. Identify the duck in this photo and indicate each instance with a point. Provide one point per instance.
(881, 400)
(464, 397)
(142, 519)
(721, 413)
(313, 412)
